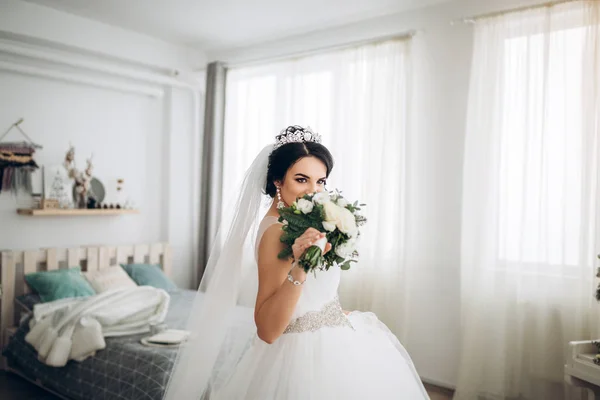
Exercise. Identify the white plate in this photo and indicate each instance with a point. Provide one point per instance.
(170, 336)
(145, 342)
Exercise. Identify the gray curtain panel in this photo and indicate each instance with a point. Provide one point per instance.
(211, 176)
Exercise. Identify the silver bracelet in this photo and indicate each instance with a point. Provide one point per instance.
(291, 278)
(295, 282)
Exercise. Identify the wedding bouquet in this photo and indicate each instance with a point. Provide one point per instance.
(327, 212)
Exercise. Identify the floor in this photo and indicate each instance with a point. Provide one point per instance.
(14, 388)
(438, 393)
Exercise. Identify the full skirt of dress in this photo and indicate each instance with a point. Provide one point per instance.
(365, 361)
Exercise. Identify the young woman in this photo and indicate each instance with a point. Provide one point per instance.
(305, 347)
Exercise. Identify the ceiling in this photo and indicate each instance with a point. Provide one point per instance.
(223, 24)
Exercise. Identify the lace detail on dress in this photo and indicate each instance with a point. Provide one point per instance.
(331, 315)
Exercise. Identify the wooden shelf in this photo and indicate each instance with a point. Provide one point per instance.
(74, 212)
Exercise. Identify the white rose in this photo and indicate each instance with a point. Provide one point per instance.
(342, 202)
(329, 226)
(332, 212)
(346, 222)
(305, 206)
(344, 250)
(321, 198)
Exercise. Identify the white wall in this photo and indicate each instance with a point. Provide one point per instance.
(147, 140)
(124, 133)
(436, 158)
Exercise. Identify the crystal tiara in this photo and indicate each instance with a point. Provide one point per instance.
(296, 134)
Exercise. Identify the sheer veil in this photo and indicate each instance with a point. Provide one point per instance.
(203, 362)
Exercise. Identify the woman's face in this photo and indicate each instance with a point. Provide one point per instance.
(308, 175)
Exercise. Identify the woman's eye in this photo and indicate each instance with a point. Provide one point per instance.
(322, 182)
(301, 180)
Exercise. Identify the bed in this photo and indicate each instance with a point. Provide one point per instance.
(125, 369)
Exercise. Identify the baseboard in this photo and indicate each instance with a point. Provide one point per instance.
(438, 383)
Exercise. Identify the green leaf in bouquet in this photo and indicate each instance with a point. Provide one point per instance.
(308, 197)
(360, 220)
(287, 238)
(285, 253)
(294, 218)
(345, 266)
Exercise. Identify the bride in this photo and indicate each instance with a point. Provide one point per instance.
(303, 345)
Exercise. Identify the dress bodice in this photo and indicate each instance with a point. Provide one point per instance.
(320, 287)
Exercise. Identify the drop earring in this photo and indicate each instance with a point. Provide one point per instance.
(280, 203)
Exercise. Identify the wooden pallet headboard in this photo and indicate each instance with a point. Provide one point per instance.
(14, 265)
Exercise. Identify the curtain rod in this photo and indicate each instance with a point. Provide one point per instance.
(320, 50)
(474, 19)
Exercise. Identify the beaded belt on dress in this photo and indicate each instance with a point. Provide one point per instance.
(331, 315)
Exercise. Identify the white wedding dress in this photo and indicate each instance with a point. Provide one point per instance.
(324, 354)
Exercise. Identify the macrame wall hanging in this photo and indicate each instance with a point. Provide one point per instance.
(16, 162)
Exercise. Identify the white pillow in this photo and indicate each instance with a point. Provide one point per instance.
(113, 277)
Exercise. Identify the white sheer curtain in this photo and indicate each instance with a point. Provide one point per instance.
(530, 200)
(358, 100)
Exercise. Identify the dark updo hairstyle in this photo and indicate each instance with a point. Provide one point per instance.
(285, 156)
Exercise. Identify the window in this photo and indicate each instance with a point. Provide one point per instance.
(356, 98)
(543, 171)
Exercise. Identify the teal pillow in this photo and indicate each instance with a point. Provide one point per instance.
(149, 275)
(59, 284)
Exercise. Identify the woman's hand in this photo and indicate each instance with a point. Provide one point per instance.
(308, 238)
